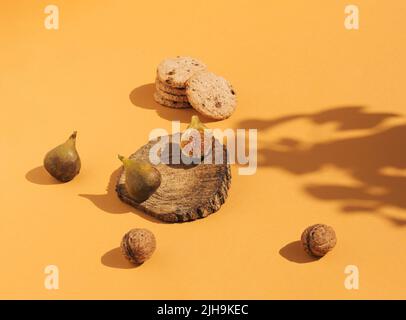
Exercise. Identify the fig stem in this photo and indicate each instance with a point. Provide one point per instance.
(195, 123)
(73, 135)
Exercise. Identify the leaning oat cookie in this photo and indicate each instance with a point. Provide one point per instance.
(172, 97)
(171, 104)
(175, 72)
(211, 95)
(168, 89)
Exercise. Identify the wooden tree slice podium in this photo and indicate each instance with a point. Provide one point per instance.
(187, 191)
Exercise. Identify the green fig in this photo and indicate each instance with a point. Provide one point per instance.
(63, 162)
(141, 178)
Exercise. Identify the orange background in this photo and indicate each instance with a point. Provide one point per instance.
(328, 103)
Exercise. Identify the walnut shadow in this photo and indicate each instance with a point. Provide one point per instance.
(115, 259)
(364, 158)
(143, 97)
(110, 203)
(294, 252)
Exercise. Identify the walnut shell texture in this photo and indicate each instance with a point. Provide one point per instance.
(138, 245)
(318, 239)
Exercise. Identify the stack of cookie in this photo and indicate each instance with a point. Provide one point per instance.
(170, 83)
(184, 82)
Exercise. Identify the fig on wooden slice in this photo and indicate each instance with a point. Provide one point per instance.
(141, 178)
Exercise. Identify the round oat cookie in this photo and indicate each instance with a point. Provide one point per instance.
(175, 72)
(172, 97)
(168, 89)
(171, 104)
(211, 95)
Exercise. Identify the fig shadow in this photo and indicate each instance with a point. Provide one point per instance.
(110, 203)
(171, 157)
(40, 176)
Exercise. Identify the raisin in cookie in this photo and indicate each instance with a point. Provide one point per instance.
(175, 72)
(211, 95)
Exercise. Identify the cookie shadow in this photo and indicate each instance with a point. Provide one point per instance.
(143, 97)
(115, 259)
(40, 176)
(294, 252)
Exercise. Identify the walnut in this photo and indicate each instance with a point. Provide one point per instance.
(318, 239)
(138, 245)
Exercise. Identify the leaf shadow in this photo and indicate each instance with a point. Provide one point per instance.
(369, 147)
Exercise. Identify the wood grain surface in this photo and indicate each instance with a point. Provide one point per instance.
(187, 191)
